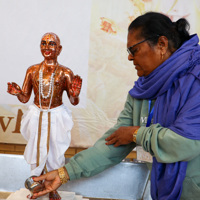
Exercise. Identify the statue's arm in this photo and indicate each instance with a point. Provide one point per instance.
(73, 86)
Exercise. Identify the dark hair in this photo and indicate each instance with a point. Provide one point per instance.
(153, 23)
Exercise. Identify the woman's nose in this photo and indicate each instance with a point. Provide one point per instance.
(130, 57)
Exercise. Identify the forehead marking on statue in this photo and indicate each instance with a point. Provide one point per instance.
(48, 38)
(52, 37)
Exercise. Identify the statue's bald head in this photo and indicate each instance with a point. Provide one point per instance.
(49, 36)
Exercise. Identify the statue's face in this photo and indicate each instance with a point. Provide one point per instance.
(50, 46)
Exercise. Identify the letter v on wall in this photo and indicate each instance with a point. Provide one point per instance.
(4, 127)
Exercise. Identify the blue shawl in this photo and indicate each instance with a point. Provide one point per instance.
(175, 85)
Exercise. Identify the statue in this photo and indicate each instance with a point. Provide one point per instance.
(47, 124)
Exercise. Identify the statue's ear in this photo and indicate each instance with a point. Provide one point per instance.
(59, 50)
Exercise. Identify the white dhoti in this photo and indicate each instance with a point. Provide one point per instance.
(48, 135)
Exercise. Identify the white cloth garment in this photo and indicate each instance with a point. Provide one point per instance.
(59, 140)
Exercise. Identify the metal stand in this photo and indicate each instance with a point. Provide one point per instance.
(126, 180)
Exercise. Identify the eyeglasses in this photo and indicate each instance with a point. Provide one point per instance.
(132, 52)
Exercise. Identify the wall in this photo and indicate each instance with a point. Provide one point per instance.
(93, 35)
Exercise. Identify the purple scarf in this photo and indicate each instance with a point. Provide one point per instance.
(175, 85)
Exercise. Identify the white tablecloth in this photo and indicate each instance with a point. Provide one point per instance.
(23, 192)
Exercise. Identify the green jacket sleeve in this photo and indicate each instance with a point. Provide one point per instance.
(101, 156)
(166, 145)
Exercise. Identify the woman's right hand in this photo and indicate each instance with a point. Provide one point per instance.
(14, 89)
(51, 183)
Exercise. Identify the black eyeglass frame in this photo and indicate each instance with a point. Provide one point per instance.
(129, 48)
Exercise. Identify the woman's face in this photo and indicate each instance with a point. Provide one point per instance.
(145, 58)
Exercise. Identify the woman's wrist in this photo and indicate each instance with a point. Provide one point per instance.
(64, 177)
(135, 135)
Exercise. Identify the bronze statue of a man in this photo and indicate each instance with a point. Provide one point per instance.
(47, 124)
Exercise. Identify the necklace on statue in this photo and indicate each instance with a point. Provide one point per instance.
(51, 87)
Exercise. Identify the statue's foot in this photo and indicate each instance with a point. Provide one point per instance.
(54, 196)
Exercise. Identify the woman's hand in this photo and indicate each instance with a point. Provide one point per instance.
(51, 183)
(122, 136)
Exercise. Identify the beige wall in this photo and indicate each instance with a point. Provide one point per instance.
(102, 62)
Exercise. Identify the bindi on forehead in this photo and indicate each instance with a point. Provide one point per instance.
(49, 38)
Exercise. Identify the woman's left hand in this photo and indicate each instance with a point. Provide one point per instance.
(122, 136)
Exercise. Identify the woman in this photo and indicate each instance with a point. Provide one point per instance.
(167, 61)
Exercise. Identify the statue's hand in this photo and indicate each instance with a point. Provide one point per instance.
(75, 86)
(14, 89)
